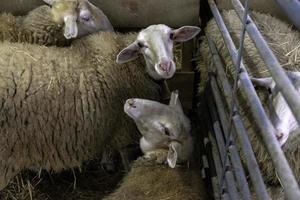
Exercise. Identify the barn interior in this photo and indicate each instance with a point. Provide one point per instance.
(199, 100)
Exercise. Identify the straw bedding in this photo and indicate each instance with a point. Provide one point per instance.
(285, 43)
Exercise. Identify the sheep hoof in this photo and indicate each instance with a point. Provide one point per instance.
(282, 138)
(107, 162)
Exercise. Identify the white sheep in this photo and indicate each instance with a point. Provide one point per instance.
(166, 137)
(283, 40)
(61, 106)
(165, 129)
(55, 25)
(280, 113)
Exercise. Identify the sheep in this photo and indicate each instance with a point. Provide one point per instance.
(148, 180)
(164, 139)
(283, 40)
(280, 113)
(162, 126)
(61, 106)
(55, 25)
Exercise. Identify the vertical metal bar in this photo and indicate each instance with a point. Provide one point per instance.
(252, 165)
(267, 130)
(282, 81)
(229, 178)
(208, 122)
(291, 9)
(210, 148)
(232, 191)
(234, 156)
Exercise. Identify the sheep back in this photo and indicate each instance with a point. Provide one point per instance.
(149, 180)
(62, 106)
(39, 27)
(8, 27)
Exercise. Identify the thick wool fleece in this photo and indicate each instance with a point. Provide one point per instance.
(150, 181)
(44, 31)
(61, 106)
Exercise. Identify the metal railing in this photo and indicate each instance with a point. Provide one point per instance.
(232, 182)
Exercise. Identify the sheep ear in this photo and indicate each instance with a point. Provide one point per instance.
(50, 2)
(172, 155)
(71, 29)
(185, 33)
(263, 82)
(175, 102)
(129, 53)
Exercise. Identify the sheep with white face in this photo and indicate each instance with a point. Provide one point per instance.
(80, 17)
(280, 113)
(155, 43)
(165, 129)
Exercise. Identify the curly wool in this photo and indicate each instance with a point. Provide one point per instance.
(148, 180)
(44, 31)
(284, 41)
(62, 106)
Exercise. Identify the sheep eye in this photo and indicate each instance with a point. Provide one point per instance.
(86, 18)
(167, 131)
(171, 36)
(141, 45)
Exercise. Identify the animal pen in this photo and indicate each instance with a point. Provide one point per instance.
(224, 125)
(229, 159)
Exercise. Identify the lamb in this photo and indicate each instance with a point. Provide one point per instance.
(280, 113)
(163, 127)
(283, 40)
(61, 106)
(55, 25)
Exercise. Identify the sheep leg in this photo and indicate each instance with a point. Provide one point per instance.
(125, 160)
(107, 161)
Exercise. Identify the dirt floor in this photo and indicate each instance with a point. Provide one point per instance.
(91, 183)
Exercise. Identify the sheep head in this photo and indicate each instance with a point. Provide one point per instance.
(155, 43)
(281, 115)
(162, 127)
(80, 17)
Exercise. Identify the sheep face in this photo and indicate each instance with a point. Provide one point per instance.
(155, 43)
(79, 17)
(91, 19)
(280, 113)
(162, 127)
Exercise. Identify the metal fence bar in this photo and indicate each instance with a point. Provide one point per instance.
(282, 81)
(267, 130)
(234, 156)
(229, 178)
(291, 9)
(251, 163)
(218, 166)
(211, 146)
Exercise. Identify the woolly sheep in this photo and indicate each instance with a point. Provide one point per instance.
(148, 180)
(55, 25)
(61, 106)
(166, 136)
(283, 40)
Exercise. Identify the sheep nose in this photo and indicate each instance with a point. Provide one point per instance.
(165, 66)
